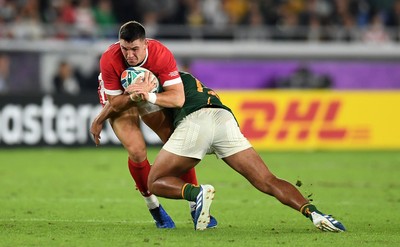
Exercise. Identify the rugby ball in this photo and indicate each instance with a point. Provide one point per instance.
(136, 74)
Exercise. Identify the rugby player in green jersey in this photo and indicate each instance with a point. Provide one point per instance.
(205, 125)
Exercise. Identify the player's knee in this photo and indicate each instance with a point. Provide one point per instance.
(137, 155)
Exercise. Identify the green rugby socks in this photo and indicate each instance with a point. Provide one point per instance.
(190, 192)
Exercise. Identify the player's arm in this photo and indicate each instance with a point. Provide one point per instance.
(97, 124)
(122, 102)
(127, 99)
(109, 110)
(173, 95)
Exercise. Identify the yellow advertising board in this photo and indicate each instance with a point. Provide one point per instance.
(310, 120)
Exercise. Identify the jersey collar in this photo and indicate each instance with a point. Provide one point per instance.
(145, 59)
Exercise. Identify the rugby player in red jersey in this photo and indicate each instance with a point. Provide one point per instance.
(134, 49)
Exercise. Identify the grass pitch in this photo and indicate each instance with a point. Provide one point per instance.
(85, 197)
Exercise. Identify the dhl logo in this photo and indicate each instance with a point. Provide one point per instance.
(300, 120)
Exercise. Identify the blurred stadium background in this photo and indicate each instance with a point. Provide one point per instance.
(300, 75)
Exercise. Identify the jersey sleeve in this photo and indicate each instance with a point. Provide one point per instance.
(169, 73)
(110, 76)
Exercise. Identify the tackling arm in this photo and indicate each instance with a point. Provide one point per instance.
(173, 96)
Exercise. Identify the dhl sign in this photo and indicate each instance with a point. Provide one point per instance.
(309, 120)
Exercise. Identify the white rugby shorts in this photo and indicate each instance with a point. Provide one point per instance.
(208, 130)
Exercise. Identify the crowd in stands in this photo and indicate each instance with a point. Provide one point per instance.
(313, 20)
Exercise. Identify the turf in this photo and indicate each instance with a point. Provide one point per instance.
(85, 197)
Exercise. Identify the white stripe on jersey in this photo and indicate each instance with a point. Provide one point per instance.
(172, 82)
(114, 92)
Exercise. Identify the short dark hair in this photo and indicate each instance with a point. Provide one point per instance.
(131, 31)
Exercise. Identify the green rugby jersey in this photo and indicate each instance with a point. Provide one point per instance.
(197, 96)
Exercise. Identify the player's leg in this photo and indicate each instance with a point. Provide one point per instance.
(251, 166)
(165, 176)
(237, 152)
(127, 129)
(186, 147)
(160, 121)
(165, 181)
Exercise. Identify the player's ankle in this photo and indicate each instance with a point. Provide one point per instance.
(151, 201)
(307, 209)
(190, 192)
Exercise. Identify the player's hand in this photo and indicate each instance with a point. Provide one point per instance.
(136, 97)
(95, 130)
(147, 84)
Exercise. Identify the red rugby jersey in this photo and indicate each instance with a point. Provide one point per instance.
(159, 60)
